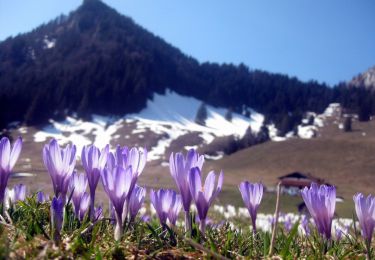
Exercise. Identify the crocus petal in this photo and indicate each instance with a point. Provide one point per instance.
(17, 147)
(365, 209)
(5, 154)
(209, 185)
(195, 182)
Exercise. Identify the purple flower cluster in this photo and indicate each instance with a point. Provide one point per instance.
(119, 178)
(186, 171)
(167, 204)
(180, 168)
(119, 172)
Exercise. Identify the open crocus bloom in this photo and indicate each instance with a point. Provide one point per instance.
(252, 194)
(78, 185)
(60, 164)
(321, 202)
(179, 168)
(203, 195)
(365, 209)
(93, 161)
(136, 158)
(174, 210)
(118, 183)
(136, 201)
(83, 206)
(162, 201)
(18, 193)
(8, 158)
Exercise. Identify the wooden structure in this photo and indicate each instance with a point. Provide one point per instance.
(292, 183)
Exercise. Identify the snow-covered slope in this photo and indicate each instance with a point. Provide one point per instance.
(169, 115)
(174, 115)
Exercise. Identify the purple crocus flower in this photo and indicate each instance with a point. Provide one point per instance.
(93, 161)
(174, 210)
(60, 164)
(8, 158)
(365, 209)
(180, 168)
(78, 185)
(98, 213)
(83, 206)
(164, 201)
(305, 224)
(18, 193)
(57, 213)
(136, 200)
(203, 196)
(146, 218)
(125, 157)
(118, 183)
(252, 194)
(338, 233)
(41, 197)
(136, 158)
(321, 202)
(288, 224)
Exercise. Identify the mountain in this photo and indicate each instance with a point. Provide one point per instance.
(365, 79)
(96, 60)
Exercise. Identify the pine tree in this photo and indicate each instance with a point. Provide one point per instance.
(263, 135)
(201, 116)
(249, 138)
(348, 124)
(311, 120)
(364, 111)
(228, 115)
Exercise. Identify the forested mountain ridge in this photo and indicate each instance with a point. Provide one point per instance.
(98, 61)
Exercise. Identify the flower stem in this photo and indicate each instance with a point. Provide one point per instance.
(92, 205)
(368, 249)
(273, 238)
(187, 222)
(202, 226)
(118, 228)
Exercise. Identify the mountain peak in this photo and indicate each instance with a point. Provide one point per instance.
(93, 5)
(365, 79)
(88, 2)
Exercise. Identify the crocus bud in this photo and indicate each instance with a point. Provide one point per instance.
(57, 214)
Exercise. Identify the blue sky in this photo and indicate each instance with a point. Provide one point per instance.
(329, 41)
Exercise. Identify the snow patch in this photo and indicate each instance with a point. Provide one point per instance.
(76, 131)
(48, 43)
(214, 157)
(174, 115)
(307, 132)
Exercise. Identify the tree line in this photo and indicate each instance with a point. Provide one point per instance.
(103, 62)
